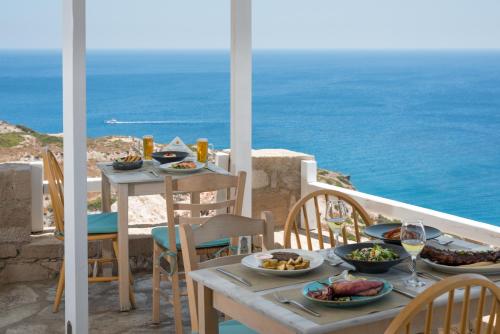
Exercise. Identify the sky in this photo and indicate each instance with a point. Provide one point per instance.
(277, 24)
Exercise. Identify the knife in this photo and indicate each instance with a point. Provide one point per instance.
(404, 293)
(233, 276)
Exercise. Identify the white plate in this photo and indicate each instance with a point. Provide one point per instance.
(488, 270)
(316, 260)
(168, 167)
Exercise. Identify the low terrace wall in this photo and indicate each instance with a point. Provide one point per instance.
(26, 255)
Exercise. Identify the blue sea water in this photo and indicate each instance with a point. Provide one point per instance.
(422, 127)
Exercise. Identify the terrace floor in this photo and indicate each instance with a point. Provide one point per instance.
(27, 309)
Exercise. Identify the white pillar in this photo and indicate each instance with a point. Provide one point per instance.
(241, 94)
(75, 167)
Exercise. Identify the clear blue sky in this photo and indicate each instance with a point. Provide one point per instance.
(304, 24)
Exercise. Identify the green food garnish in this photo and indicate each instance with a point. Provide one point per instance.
(375, 254)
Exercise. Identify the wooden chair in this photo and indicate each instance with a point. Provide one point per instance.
(358, 215)
(166, 236)
(425, 300)
(101, 226)
(222, 226)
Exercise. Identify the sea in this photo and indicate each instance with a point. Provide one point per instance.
(422, 127)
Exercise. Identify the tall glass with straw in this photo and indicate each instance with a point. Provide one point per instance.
(335, 218)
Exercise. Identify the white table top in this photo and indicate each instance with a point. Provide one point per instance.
(145, 173)
(257, 302)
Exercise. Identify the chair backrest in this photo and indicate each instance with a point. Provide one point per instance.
(357, 213)
(55, 178)
(218, 227)
(194, 185)
(425, 301)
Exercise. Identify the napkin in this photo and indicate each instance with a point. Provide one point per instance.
(178, 145)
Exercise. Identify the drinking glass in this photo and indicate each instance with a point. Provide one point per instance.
(148, 147)
(413, 240)
(335, 217)
(202, 147)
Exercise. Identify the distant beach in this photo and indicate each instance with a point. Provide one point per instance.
(421, 127)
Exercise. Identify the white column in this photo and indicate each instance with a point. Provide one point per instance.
(241, 94)
(75, 167)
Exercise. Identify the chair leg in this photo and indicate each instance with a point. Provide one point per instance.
(176, 300)
(156, 284)
(131, 279)
(59, 290)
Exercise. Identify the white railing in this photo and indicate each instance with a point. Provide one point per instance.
(447, 223)
(39, 188)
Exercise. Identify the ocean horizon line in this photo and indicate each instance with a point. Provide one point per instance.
(450, 50)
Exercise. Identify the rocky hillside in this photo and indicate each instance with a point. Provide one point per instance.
(19, 143)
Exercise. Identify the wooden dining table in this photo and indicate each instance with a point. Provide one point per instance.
(147, 180)
(259, 309)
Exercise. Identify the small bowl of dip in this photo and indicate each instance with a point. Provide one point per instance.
(263, 256)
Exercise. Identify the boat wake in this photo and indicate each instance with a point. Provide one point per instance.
(114, 121)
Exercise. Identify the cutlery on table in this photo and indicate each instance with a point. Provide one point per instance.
(235, 277)
(404, 293)
(334, 263)
(423, 274)
(154, 173)
(445, 242)
(304, 308)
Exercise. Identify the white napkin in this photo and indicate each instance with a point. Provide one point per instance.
(178, 145)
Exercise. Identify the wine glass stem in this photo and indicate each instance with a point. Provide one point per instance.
(336, 239)
(414, 273)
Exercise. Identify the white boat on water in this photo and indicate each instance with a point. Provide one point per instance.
(112, 121)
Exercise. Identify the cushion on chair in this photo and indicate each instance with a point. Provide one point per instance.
(100, 223)
(160, 235)
(233, 327)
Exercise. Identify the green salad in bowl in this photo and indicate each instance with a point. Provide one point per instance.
(370, 257)
(375, 253)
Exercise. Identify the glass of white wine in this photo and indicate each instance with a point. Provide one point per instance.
(335, 218)
(413, 240)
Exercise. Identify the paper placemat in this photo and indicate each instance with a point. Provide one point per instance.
(334, 314)
(262, 282)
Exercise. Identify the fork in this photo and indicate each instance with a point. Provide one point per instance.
(284, 300)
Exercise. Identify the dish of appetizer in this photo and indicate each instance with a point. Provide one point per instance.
(128, 162)
(376, 253)
(391, 233)
(164, 157)
(347, 293)
(373, 258)
(283, 262)
(185, 166)
(462, 261)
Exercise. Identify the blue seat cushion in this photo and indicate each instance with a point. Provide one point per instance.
(160, 235)
(101, 223)
(233, 327)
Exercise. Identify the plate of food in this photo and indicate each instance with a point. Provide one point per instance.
(128, 163)
(353, 291)
(164, 157)
(391, 233)
(372, 258)
(486, 262)
(283, 262)
(182, 167)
